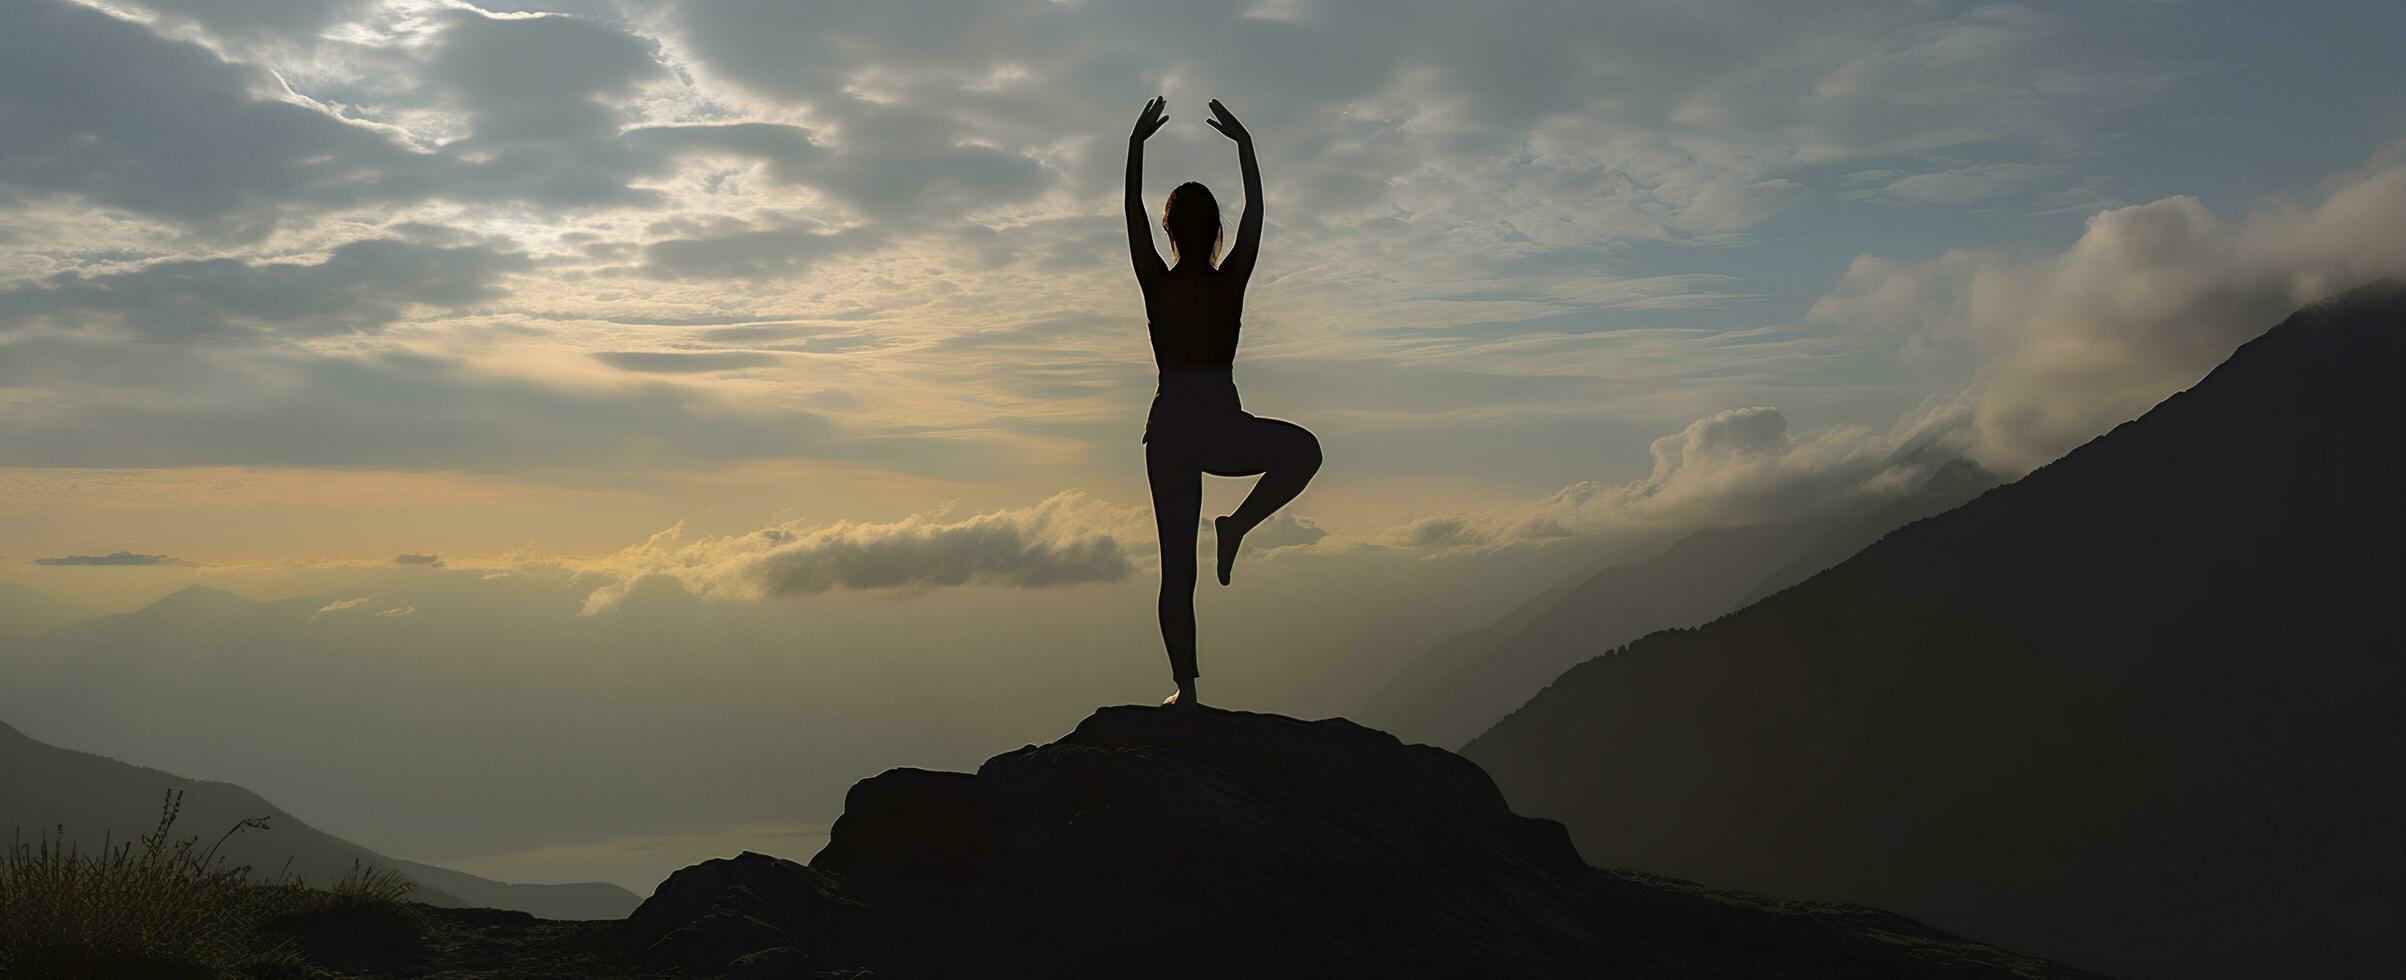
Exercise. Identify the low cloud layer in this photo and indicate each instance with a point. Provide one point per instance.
(1282, 532)
(1737, 467)
(112, 559)
(344, 605)
(1068, 539)
(2148, 300)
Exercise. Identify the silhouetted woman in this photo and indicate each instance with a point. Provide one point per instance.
(1196, 425)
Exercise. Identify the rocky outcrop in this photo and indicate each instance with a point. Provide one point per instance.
(742, 915)
(1175, 843)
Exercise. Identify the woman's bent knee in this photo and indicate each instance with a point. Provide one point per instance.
(1305, 455)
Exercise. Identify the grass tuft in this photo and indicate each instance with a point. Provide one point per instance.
(167, 907)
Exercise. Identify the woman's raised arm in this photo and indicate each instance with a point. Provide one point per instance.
(1248, 228)
(1140, 231)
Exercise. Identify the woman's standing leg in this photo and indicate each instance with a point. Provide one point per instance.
(1287, 457)
(1177, 507)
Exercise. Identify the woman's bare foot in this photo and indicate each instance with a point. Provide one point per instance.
(1228, 544)
(1184, 696)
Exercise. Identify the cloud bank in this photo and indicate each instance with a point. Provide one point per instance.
(343, 605)
(2148, 300)
(1067, 539)
(2065, 346)
(1731, 468)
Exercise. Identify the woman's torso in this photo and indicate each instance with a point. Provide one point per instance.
(1193, 319)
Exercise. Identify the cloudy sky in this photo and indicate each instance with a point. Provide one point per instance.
(634, 398)
(785, 298)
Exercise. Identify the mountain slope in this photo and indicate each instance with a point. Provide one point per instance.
(1208, 843)
(23, 611)
(44, 788)
(2136, 711)
(1469, 682)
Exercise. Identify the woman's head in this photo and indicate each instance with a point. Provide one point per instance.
(1192, 217)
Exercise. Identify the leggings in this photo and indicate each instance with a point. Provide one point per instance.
(1176, 457)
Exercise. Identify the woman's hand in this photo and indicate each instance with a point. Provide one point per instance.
(1155, 115)
(1226, 123)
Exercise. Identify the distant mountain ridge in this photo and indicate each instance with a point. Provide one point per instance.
(44, 789)
(24, 611)
(2138, 710)
(1471, 681)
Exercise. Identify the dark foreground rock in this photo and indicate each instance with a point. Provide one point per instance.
(750, 915)
(450, 943)
(1176, 843)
